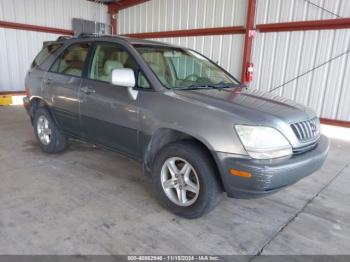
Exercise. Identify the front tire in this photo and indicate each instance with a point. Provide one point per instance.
(50, 138)
(185, 179)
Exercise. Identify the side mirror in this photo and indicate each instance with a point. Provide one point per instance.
(123, 77)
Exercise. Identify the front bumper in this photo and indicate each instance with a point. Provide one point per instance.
(269, 176)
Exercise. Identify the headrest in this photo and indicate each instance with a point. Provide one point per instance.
(82, 55)
(110, 65)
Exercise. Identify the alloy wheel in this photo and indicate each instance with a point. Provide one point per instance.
(44, 131)
(180, 181)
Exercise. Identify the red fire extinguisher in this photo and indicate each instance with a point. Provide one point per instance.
(249, 72)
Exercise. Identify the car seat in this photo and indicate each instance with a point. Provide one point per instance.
(109, 66)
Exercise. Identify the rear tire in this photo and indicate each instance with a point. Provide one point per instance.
(50, 138)
(185, 179)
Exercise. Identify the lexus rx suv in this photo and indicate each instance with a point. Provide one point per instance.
(196, 130)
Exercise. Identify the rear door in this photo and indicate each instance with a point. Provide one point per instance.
(62, 84)
(109, 116)
(39, 67)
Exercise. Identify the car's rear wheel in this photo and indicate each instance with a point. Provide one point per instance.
(50, 138)
(185, 179)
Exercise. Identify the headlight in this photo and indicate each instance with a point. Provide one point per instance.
(263, 142)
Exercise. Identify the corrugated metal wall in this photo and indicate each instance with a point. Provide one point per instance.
(280, 57)
(168, 15)
(18, 48)
(277, 11)
(51, 13)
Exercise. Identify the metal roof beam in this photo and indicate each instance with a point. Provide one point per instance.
(123, 4)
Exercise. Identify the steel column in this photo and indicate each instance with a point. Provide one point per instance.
(248, 39)
(113, 12)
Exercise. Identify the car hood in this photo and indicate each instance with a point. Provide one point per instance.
(249, 104)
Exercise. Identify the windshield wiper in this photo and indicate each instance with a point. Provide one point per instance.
(220, 85)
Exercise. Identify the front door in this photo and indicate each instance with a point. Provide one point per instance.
(62, 84)
(109, 116)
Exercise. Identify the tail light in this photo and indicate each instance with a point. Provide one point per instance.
(28, 93)
(26, 102)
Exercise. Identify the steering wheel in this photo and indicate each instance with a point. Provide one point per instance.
(188, 78)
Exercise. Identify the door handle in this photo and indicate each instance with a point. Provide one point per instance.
(88, 90)
(48, 81)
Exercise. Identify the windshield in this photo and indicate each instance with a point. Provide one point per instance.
(178, 68)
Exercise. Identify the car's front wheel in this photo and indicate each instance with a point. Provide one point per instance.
(185, 179)
(50, 138)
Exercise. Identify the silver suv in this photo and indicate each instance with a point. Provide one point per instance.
(195, 128)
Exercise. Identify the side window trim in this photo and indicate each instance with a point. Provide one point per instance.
(89, 59)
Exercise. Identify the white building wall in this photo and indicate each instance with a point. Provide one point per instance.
(18, 48)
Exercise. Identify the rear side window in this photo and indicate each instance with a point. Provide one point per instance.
(108, 57)
(72, 60)
(45, 53)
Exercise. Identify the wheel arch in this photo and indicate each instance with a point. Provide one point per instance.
(37, 102)
(164, 136)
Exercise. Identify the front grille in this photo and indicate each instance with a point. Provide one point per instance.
(307, 130)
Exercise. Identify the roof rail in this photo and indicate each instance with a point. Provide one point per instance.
(46, 43)
(64, 37)
(82, 35)
(87, 35)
